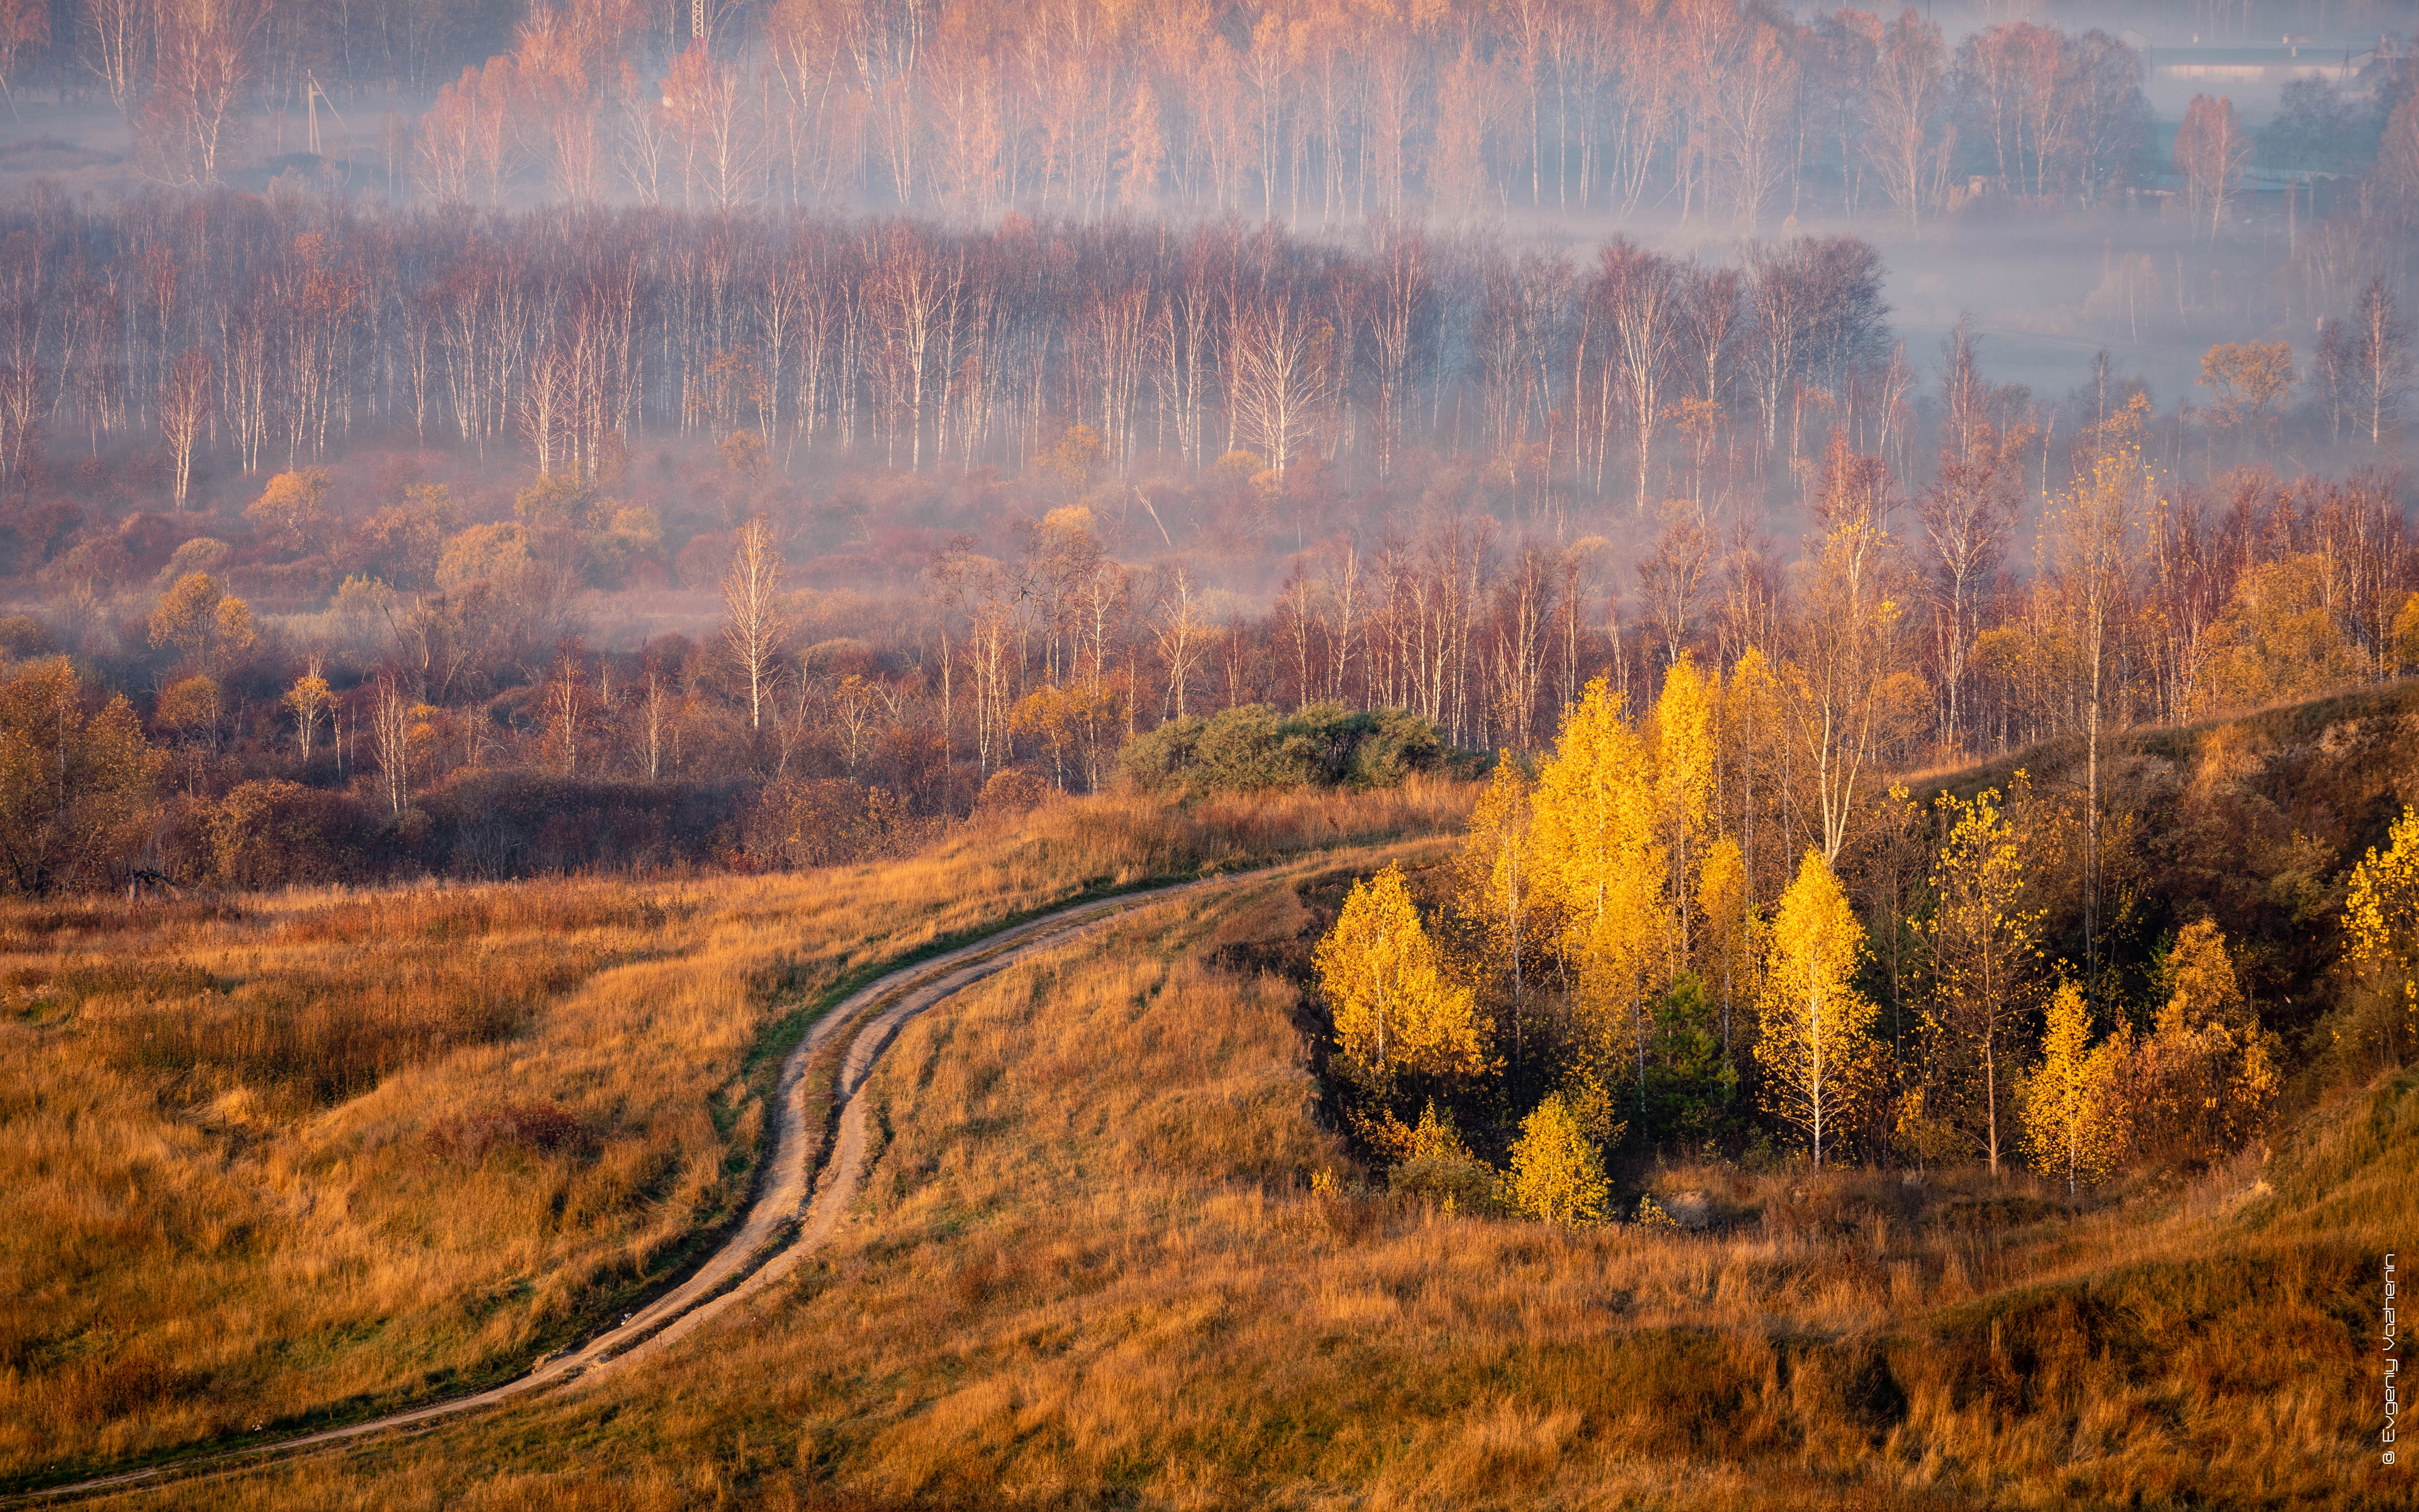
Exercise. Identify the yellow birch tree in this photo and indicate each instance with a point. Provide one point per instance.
(1685, 753)
(1816, 1047)
(1980, 942)
(1497, 881)
(2381, 926)
(1733, 946)
(201, 620)
(309, 700)
(1395, 1007)
(1759, 760)
(2074, 1113)
(1557, 1171)
(2204, 1081)
(1599, 864)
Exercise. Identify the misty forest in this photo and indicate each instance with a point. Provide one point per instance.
(1139, 752)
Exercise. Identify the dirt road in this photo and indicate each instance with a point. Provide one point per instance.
(754, 1258)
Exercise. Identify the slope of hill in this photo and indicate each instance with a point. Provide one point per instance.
(1110, 1251)
(2254, 820)
(285, 1160)
(1108, 1258)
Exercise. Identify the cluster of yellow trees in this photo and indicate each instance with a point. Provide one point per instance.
(1597, 961)
(1600, 940)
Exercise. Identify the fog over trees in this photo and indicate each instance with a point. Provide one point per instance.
(1314, 113)
(742, 434)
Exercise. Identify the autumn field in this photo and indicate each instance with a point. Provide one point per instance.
(284, 1159)
(1126, 754)
(1107, 1256)
(1405, 1174)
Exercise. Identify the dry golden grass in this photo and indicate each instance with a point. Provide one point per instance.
(275, 1159)
(1089, 1271)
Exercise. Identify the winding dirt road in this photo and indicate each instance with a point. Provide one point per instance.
(754, 1258)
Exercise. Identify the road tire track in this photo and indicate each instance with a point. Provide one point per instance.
(789, 1196)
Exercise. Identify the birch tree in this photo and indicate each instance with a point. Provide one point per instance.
(2073, 1103)
(2091, 549)
(1982, 945)
(1396, 1010)
(751, 599)
(1816, 1047)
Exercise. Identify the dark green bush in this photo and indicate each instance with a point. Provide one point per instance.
(1252, 748)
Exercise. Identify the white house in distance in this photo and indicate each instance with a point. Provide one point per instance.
(2254, 77)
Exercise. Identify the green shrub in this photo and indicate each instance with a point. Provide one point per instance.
(1252, 748)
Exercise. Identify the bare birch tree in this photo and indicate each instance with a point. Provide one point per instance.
(751, 596)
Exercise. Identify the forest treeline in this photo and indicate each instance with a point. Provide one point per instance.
(180, 728)
(215, 333)
(928, 505)
(223, 330)
(1306, 111)
(235, 329)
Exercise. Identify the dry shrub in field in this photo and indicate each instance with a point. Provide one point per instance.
(1011, 792)
(536, 1126)
(828, 821)
(218, 1118)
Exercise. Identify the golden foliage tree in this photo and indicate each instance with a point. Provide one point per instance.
(2249, 377)
(294, 509)
(2277, 639)
(75, 785)
(191, 707)
(1396, 1010)
(2203, 1082)
(1557, 1171)
(310, 702)
(1980, 941)
(1497, 882)
(2381, 926)
(201, 620)
(1730, 952)
(498, 552)
(2406, 633)
(1074, 724)
(1755, 757)
(1602, 867)
(1684, 764)
(2073, 1106)
(1816, 1047)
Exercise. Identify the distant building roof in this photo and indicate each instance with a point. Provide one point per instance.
(2287, 55)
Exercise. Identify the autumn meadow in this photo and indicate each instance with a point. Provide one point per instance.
(1160, 754)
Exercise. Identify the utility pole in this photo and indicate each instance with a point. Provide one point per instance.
(313, 96)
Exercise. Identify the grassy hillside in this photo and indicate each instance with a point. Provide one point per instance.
(1110, 1256)
(1111, 1250)
(2254, 820)
(272, 1159)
